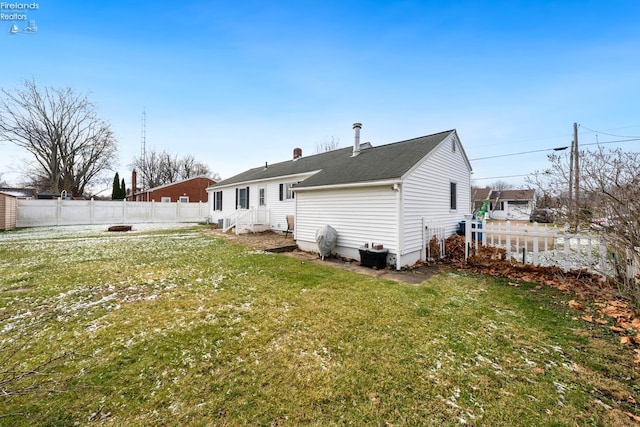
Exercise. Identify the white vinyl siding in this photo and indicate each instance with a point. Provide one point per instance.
(426, 194)
(278, 210)
(359, 215)
(391, 215)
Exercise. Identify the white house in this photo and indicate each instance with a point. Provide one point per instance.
(393, 195)
(511, 204)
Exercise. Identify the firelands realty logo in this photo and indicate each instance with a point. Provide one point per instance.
(18, 14)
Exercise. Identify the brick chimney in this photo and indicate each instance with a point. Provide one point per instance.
(134, 185)
(297, 153)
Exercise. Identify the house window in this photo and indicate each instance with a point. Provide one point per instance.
(261, 197)
(286, 191)
(165, 199)
(453, 196)
(497, 207)
(453, 145)
(242, 198)
(184, 199)
(217, 201)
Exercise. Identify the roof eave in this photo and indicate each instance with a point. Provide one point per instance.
(350, 185)
(254, 181)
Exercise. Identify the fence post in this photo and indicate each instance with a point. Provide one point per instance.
(483, 223)
(536, 246)
(603, 259)
(567, 249)
(467, 235)
(508, 239)
(58, 210)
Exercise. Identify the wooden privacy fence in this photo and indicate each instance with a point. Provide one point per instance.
(541, 245)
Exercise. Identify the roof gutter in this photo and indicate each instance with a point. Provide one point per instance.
(391, 182)
(304, 175)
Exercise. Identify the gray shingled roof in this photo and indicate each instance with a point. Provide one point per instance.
(513, 194)
(385, 162)
(18, 192)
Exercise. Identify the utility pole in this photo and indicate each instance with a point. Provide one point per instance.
(143, 136)
(576, 174)
(570, 199)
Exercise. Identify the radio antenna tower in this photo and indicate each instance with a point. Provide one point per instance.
(143, 149)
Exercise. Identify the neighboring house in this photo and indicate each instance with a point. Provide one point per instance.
(20, 193)
(8, 211)
(478, 197)
(185, 191)
(511, 204)
(387, 195)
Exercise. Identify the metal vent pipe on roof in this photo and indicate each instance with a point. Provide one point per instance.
(356, 143)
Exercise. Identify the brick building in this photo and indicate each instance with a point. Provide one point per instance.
(186, 191)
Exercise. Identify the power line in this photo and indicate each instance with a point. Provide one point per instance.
(493, 144)
(553, 149)
(500, 177)
(610, 134)
(611, 142)
(517, 154)
(568, 136)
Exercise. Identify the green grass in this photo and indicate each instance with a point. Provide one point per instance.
(178, 328)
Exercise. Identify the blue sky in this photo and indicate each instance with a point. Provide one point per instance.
(237, 84)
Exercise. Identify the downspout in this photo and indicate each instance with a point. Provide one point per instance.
(423, 249)
(295, 215)
(398, 188)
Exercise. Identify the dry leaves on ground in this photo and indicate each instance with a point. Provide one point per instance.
(587, 287)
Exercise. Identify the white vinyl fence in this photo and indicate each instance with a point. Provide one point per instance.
(42, 213)
(541, 245)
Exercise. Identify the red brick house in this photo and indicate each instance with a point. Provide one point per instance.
(191, 190)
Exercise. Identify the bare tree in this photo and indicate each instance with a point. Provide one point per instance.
(157, 169)
(552, 184)
(610, 181)
(610, 189)
(189, 167)
(500, 185)
(327, 145)
(71, 146)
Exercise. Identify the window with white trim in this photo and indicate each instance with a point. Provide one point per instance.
(286, 191)
(165, 199)
(217, 200)
(242, 198)
(262, 201)
(184, 199)
(497, 207)
(453, 196)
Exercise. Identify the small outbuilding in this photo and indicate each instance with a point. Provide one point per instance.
(8, 211)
